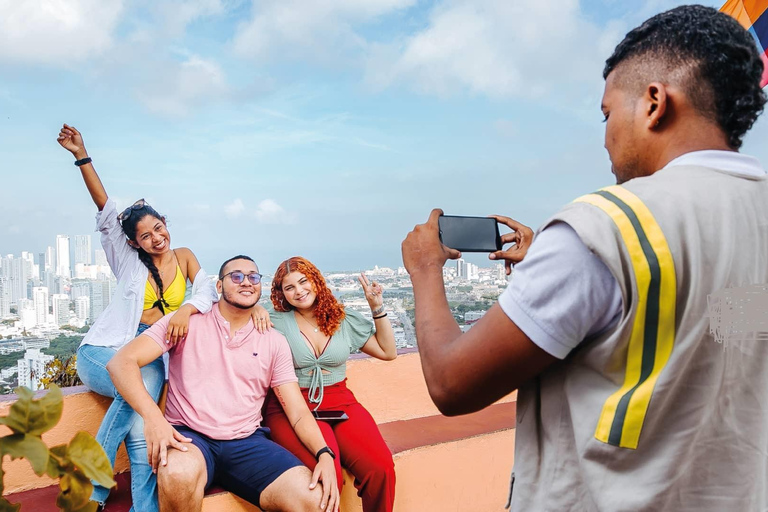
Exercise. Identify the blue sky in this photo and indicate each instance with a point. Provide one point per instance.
(298, 127)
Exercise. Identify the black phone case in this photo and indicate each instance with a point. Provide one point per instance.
(456, 239)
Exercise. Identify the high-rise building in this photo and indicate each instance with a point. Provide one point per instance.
(27, 313)
(473, 272)
(101, 293)
(60, 309)
(50, 259)
(40, 299)
(83, 249)
(5, 297)
(41, 265)
(63, 268)
(83, 308)
(100, 258)
(461, 268)
(18, 271)
(32, 368)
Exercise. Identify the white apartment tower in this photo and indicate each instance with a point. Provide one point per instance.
(63, 267)
(60, 309)
(32, 368)
(40, 299)
(83, 249)
(461, 268)
(83, 308)
(5, 297)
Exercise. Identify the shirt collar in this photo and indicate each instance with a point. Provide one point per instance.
(729, 161)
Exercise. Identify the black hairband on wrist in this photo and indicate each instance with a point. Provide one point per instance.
(380, 316)
(84, 161)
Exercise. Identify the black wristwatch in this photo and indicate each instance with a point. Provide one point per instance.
(325, 450)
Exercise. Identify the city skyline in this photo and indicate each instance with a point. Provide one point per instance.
(326, 130)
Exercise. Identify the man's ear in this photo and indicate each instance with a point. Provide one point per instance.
(218, 286)
(656, 101)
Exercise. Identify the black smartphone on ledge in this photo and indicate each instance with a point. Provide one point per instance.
(469, 234)
(330, 416)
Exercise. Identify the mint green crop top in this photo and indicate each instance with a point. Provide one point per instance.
(354, 331)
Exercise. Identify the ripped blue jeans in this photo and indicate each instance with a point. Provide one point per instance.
(122, 423)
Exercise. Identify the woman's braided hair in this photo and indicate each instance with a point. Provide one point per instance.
(129, 228)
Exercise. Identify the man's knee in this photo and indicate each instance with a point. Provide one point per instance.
(184, 471)
(290, 491)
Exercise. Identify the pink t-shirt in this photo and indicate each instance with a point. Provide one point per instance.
(217, 385)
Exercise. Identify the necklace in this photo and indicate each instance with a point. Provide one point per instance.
(314, 327)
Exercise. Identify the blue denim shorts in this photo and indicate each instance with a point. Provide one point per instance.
(142, 327)
(243, 466)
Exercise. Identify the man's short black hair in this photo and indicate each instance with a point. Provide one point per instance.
(233, 258)
(708, 54)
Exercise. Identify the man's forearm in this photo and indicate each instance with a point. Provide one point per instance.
(436, 328)
(126, 376)
(309, 433)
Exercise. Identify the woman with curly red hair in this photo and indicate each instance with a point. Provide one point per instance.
(322, 335)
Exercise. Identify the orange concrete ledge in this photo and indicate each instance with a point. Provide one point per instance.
(440, 461)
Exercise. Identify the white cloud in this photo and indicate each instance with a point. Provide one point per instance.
(235, 209)
(269, 212)
(58, 32)
(495, 48)
(319, 29)
(173, 88)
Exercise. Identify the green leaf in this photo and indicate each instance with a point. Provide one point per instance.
(7, 506)
(32, 448)
(34, 417)
(57, 461)
(75, 491)
(92, 506)
(88, 455)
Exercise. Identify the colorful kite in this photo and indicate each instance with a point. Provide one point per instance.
(753, 16)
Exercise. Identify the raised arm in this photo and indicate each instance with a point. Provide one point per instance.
(382, 344)
(71, 140)
(124, 370)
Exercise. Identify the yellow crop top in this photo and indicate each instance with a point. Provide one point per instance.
(174, 295)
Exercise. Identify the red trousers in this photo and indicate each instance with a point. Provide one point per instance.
(357, 443)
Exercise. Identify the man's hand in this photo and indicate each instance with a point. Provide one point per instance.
(260, 317)
(521, 236)
(160, 435)
(325, 472)
(178, 326)
(422, 248)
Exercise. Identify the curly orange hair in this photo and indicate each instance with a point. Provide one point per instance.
(329, 313)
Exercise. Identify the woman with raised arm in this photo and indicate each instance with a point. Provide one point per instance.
(152, 281)
(322, 334)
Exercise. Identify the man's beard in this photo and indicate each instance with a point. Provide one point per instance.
(225, 298)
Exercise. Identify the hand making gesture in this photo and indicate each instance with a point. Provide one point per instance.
(374, 293)
(71, 140)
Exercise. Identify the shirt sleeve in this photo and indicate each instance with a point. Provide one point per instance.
(113, 239)
(358, 329)
(203, 294)
(158, 331)
(561, 293)
(282, 368)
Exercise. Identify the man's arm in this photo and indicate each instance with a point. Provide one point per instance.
(308, 432)
(464, 372)
(124, 368)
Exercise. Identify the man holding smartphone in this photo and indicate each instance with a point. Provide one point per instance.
(625, 401)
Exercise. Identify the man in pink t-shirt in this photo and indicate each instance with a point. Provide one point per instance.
(218, 378)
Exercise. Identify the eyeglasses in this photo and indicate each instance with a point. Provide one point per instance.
(138, 205)
(238, 277)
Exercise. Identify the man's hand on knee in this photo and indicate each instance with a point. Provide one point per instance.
(160, 435)
(325, 472)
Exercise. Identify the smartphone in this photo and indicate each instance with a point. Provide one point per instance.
(330, 416)
(469, 234)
